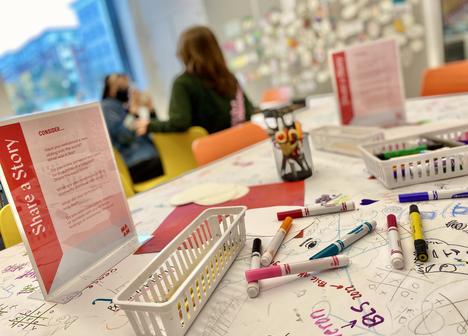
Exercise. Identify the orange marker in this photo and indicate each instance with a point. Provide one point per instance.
(298, 127)
(274, 245)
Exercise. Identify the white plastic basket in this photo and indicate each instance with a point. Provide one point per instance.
(345, 139)
(167, 296)
(418, 168)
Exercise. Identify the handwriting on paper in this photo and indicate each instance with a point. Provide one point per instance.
(369, 317)
(445, 258)
(28, 289)
(323, 322)
(14, 268)
(456, 225)
(6, 309)
(98, 281)
(28, 274)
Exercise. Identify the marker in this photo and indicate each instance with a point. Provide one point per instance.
(408, 151)
(316, 265)
(355, 234)
(314, 210)
(396, 253)
(432, 195)
(445, 142)
(253, 288)
(274, 245)
(420, 244)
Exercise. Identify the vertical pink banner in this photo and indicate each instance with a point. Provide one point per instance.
(29, 202)
(342, 85)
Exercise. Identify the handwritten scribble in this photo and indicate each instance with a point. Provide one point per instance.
(32, 319)
(456, 225)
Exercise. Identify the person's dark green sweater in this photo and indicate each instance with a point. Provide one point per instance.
(193, 103)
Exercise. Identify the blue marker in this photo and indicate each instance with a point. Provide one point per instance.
(355, 234)
(432, 195)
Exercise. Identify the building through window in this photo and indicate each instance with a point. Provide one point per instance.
(64, 65)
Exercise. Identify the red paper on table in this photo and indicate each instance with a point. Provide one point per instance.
(260, 196)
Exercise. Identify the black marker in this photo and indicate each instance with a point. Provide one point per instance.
(253, 288)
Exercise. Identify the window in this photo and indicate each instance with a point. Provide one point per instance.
(60, 59)
(455, 21)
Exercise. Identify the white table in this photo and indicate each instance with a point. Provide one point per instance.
(283, 310)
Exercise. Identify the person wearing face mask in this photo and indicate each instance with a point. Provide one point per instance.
(127, 131)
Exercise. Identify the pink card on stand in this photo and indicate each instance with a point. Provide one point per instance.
(368, 84)
(260, 196)
(64, 189)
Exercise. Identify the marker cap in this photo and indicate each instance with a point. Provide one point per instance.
(413, 197)
(349, 205)
(253, 289)
(266, 259)
(297, 213)
(287, 224)
(397, 261)
(373, 224)
(262, 273)
(413, 208)
(420, 246)
(257, 245)
(391, 221)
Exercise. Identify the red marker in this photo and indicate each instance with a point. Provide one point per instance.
(396, 253)
(315, 210)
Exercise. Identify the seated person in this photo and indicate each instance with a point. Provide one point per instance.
(128, 132)
(207, 94)
(3, 199)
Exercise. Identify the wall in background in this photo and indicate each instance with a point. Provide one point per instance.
(286, 42)
(158, 24)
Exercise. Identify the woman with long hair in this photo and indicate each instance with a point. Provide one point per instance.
(206, 94)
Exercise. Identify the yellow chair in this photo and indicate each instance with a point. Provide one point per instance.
(8, 228)
(175, 149)
(129, 187)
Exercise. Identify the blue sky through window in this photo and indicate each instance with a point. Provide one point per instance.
(55, 53)
(22, 20)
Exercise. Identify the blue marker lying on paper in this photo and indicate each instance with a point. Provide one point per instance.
(355, 234)
(432, 195)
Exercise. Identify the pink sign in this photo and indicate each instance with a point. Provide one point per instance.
(60, 176)
(368, 84)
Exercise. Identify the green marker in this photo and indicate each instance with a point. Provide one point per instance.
(408, 151)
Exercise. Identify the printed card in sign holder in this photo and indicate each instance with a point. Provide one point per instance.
(368, 84)
(64, 187)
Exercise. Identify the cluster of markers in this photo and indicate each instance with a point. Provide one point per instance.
(420, 245)
(329, 257)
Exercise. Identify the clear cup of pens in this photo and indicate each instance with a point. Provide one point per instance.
(291, 146)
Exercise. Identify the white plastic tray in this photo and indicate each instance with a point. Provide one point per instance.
(418, 168)
(167, 296)
(345, 139)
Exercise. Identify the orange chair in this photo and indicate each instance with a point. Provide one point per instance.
(219, 144)
(447, 79)
(277, 95)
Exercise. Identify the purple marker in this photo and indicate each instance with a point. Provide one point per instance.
(432, 195)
